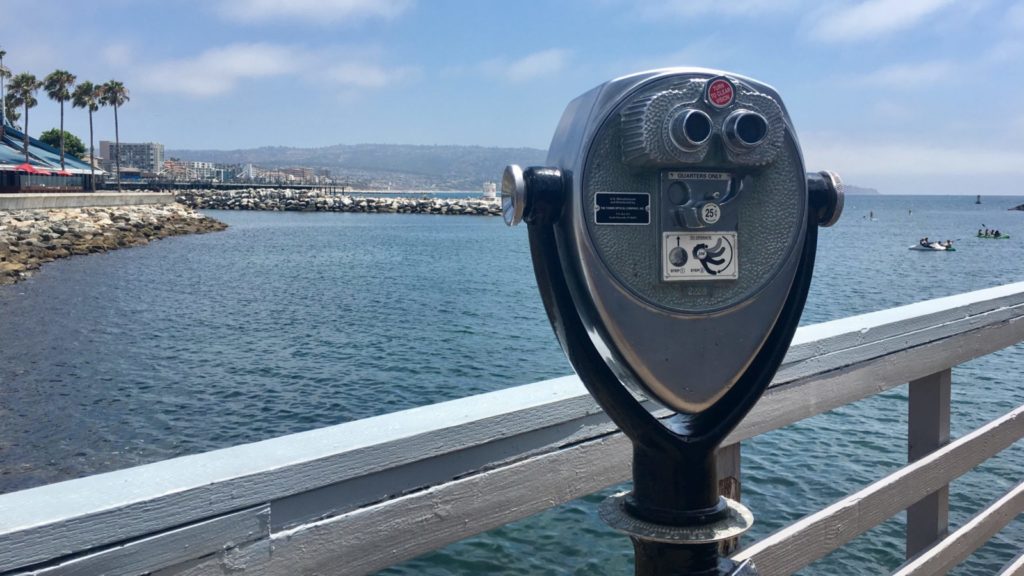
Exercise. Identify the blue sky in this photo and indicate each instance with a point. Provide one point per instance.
(908, 96)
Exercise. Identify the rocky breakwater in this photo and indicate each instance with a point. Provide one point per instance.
(30, 238)
(312, 201)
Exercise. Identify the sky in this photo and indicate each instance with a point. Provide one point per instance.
(906, 96)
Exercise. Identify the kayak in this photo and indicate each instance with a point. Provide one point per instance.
(933, 247)
(1000, 237)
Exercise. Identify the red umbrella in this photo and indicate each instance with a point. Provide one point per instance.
(63, 173)
(26, 167)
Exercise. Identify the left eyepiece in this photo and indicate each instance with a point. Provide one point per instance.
(690, 129)
(745, 129)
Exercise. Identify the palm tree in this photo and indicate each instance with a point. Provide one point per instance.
(4, 74)
(24, 87)
(87, 95)
(11, 104)
(58, 87)
(115, 94)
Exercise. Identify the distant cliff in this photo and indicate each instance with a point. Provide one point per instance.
(382, 166)
(394, 166)
(858, 190)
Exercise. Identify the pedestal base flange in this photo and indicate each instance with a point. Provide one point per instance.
(738, 520)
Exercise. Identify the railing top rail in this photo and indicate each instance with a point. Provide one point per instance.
(433, 443)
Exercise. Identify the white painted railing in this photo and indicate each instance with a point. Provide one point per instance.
(324, 501)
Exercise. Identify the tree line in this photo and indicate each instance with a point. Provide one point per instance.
(60, 86)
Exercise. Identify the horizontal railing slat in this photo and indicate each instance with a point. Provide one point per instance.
(339, 469)
(956, 547)
(1015, 567)
(537, 485)
(787, 402)
(169, 548)
(129, 503)
(816, 535)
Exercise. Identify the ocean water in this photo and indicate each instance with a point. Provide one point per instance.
(291, 321)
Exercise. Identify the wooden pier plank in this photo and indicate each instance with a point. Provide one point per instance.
(955, 548)
(168, 548)
(816, 535)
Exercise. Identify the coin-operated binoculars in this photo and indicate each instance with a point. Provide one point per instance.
(673, 237)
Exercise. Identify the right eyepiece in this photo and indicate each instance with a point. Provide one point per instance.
(744, 129)
(690, 129)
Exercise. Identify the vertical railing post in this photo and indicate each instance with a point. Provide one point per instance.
(729, 486)
(928, 429)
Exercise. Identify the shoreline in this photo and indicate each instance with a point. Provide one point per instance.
(31, 238)
(280, 200)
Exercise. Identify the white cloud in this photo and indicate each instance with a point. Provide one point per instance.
(1017, 124)
(1015, 16)
(909, 158)
(219, 70)
(311, 11)
(908, 76)
(691, 8)
(872, 18)
(117, 55)
(1007, 51)
(530, 67)
(363, 75)
(711, 52)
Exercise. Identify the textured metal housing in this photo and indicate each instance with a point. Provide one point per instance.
(685, 344)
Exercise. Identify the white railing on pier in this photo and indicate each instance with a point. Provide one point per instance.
(360, 496)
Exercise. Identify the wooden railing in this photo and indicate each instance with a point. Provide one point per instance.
(324, 501)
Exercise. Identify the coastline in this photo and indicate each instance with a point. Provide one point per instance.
(31, 238)
(272, 199)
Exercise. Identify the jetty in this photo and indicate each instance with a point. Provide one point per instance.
(360, 496)
(39, 228)
(316, 200)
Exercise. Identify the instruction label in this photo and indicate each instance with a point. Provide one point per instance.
(622, 208)
(699, 256)
(699, 176)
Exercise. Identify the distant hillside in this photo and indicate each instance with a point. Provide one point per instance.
(858, 190)
(379, 166)
(394, 166)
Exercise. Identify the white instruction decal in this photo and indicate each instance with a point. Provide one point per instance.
(699, 256)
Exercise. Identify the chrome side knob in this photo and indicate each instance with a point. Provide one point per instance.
(513, 194)
(827, 196)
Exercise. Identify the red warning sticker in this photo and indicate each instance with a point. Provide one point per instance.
(720, 93)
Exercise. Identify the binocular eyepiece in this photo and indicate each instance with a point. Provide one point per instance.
(689, 129)
(744, 129)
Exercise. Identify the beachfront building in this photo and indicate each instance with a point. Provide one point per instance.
(179, 170)
(42, 172)
(147, 157)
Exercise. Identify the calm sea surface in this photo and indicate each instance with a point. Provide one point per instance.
(292, 321)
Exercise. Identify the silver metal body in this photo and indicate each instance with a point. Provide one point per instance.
(647, 199)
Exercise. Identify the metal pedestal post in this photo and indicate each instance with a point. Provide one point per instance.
(675, 516)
